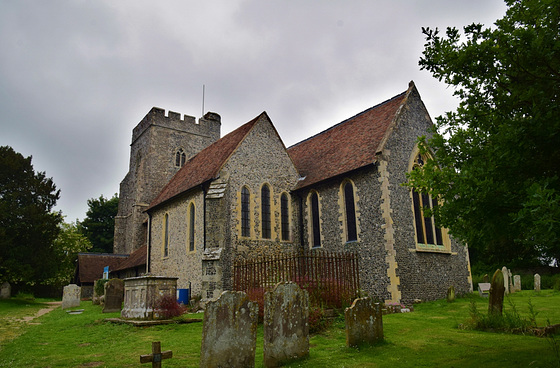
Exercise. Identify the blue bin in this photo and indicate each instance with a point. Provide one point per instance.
(183, 296)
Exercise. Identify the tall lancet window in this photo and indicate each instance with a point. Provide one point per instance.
(265, 211)
(180, 157)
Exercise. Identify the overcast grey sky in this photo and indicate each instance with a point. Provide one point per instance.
(77, 76)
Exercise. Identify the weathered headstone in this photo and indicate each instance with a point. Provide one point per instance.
(71, 296)
(286, 324)
(497, 290)
(229, 332)
(505, 275)
(156, 356)
(510, 281)
(486, 279)
(537, 282)
(451, 294)
(516, 283)
(6, 290)
(364, 322)
(483, 289)
(114, 296)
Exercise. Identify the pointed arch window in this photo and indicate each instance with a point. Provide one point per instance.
(350, 212)
(166, 235)
(315, 221)
(285, 216)
(180, 157)
(428, 233)
(265, 211)
(245, 214)
(191, 227)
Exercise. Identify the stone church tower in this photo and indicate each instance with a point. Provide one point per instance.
(160, 146)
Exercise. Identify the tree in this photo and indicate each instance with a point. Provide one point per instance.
(66, 247)
(28, 228)
(494, 163)
(99, 224)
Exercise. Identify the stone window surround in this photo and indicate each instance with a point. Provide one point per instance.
(343, 212)
(191, 225)
(310, 218)
(165, 236)
(420, 247)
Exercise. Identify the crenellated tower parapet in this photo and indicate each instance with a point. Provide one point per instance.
(161, 143)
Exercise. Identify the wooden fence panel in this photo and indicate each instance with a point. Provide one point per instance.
(332, 279)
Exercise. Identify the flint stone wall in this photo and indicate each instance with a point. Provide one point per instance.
(71, 296)
(364, 322)
(229, 333)
(142, 293)
(286, 324)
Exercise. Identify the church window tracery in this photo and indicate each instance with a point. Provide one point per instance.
(245, 212)
(166, 235)
(350, 212)
(315, 221)
(265, 211)
(191, 227)
(180, 157)
(285, 216)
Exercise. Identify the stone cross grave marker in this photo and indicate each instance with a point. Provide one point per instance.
(286, 326)
(506, 279)
(156, 356)
(537, 282)
(364, 322)
(6, 291)
(516, 283)
(71, 296)
(229, 331)
(114, 296)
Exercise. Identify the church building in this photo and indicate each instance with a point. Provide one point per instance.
(199, 201)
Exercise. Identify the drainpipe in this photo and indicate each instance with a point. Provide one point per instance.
(300, 220)
(149, 241)
(203, 216)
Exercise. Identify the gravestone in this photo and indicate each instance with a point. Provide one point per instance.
(516, 283)
(483, 289)
(510, 281)
(486, 279)
(497, 290)
(142, 293)
(505, 275)
(6, 291)
(71, 296)
(451, 294)
(364, 322)
(229, 332)
(286, 324)
(114, 296)
(537, 282)
(211, 274)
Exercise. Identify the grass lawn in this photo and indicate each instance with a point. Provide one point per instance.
(427, 337)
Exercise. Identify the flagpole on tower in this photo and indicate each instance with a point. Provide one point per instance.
(203, 90)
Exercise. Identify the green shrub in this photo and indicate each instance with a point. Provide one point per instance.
(100, 286)
(318, 320)
(25, 296)
(510, 321)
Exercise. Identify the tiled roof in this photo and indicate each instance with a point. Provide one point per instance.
(205, 165)
(347, 146)
(136, 258)
(90, 265)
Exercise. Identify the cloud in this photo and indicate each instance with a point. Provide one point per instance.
(77, 76)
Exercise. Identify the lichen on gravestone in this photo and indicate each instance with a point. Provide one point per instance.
(364, 322)
(286, 324)
(496, 295)
(451, 294)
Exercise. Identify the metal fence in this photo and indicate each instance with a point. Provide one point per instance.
(332, 279)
